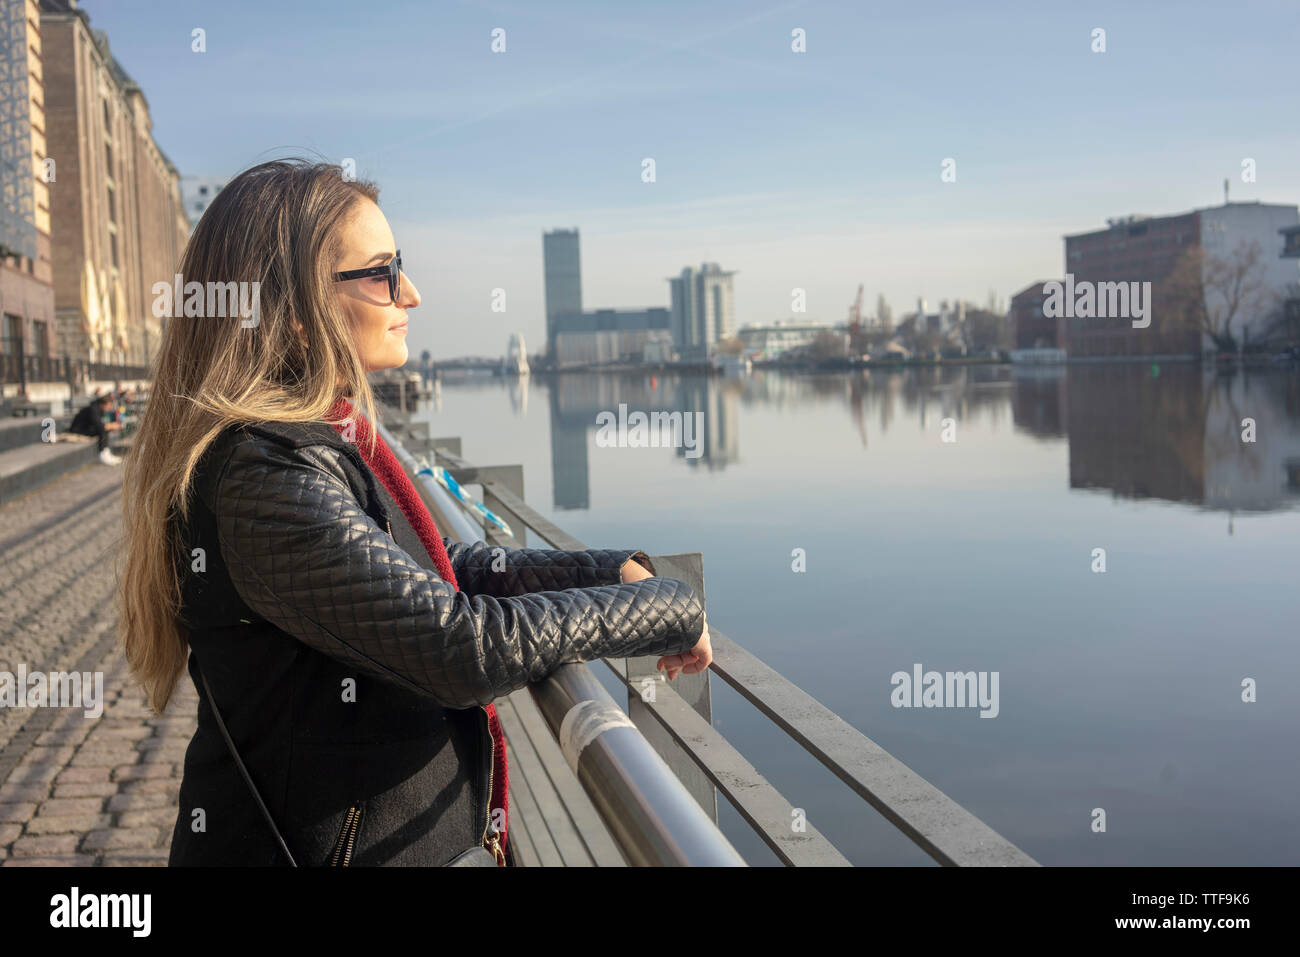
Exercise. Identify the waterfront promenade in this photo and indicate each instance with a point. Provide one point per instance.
(77, 790)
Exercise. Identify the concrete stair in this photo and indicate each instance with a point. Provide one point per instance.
(27, 462)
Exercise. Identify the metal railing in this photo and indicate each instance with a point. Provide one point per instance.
(651, 816)
(939, 826)
(34, 369)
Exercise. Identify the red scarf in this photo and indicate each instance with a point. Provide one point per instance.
(389, 471)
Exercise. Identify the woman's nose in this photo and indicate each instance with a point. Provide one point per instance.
(410, 295)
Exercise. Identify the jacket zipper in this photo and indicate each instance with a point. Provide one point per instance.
(342, 855)
(493, 844)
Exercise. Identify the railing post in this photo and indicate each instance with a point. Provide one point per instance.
(512, 477)
(644, 679)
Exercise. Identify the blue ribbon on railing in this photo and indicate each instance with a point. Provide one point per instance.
(443, 478)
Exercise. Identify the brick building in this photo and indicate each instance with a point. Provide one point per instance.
(118, 220)
(1176, 255)
(1133, 249)
(1031, 329)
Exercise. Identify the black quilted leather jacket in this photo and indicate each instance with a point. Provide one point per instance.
(349, 674)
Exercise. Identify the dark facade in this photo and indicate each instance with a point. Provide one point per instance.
(1134, 250)
(1136, 433)
(562, 266)
(1031, 328)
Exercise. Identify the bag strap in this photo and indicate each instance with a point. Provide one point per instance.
(234, 752)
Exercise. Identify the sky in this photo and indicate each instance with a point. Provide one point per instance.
(817, 170)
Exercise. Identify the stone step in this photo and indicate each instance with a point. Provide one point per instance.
(32, 465)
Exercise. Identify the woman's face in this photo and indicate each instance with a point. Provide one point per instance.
(378, 324)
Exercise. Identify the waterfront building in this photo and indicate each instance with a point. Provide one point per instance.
(703, 310)
(1030, 328)
(942, 332)
(613, 335)
(1156, 249)
(769, 340)
(197, 194)
(562, 269)
(116, 212)
(27, 333)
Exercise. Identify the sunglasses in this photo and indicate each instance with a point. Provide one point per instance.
(392, 269)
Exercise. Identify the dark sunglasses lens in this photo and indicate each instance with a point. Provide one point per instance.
(395, 276)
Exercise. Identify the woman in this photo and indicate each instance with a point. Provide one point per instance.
(344, 653)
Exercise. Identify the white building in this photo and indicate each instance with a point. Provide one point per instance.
(948, 319)
(1231, 227)
(949, 324)
(517, 355)
(703, 310)
(768, 340)
(197, 194)
(611, 336)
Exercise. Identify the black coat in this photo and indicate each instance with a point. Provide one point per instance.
(90, 421)
(349, 674)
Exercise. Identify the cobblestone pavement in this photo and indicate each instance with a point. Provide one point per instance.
(77, 790)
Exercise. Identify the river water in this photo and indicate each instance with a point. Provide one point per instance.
(959, 520)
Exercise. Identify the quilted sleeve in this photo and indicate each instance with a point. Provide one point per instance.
(303, 554)
(483, 569)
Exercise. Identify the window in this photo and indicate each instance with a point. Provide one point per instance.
(112, 238)
(112, 205)
(108, 160)
(40, 340)
(108, 120)
(12, 341)
(203, 191)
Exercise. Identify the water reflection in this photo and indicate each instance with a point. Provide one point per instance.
(1179, 433)
(1172, 432)
(575, 401)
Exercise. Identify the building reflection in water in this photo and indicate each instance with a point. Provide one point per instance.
(576, 400)
(1170, 431)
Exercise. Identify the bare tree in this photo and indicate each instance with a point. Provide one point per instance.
(733, 346)
(986, 329)
(827, 344)
(1218, 295)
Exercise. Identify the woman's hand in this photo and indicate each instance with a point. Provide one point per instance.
(634, 571)
(689, 662)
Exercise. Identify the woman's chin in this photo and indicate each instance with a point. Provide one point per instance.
(396, 357)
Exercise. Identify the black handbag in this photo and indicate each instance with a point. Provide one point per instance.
(477, 856)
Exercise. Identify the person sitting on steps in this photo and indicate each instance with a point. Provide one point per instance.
(90, 422)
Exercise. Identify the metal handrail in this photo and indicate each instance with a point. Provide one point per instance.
(932, 820)
(649, 813)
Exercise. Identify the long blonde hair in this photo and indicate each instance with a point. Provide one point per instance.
(277, 224)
